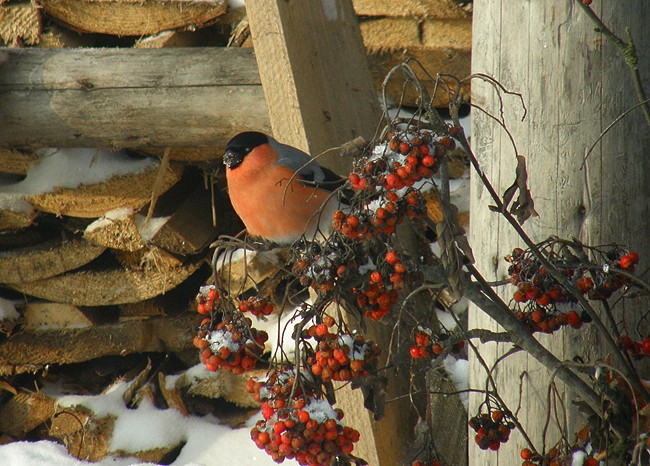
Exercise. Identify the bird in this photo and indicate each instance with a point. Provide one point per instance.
(280, 193)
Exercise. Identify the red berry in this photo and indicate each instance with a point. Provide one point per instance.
(634, 257)
(391, 257)
(415, 352)
(645, 346)
(404, 148)
(625, 262)
(573, 319)
(428, 160)
(375, 277)
(526, 454)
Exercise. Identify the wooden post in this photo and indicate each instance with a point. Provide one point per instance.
(314, 73)
(575, 83)
(320, 94)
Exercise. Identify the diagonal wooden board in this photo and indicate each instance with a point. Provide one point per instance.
(320, 94)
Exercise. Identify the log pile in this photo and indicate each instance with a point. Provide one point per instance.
(104, 273)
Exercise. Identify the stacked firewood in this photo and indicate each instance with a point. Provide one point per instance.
(103, 273)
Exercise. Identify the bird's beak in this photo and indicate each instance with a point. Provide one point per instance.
(232, 159)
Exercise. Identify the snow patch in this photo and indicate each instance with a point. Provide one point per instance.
(69, 168)
(8, 311)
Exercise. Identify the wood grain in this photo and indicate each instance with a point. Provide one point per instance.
(128, 97)
(574, 84)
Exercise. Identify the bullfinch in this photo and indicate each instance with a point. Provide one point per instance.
(278, 191)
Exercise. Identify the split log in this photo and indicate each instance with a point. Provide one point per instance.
(107, 287)
(37, 349)
(50, 316)
(441, 46)
(45, 260)
(20, 23)
(24, 412)
(134, 17)
(16, 162)
(419, 8)
(15, 214)
(122, 97)
(117, 229)
(94, 200)
(70, 426)
(190, 229)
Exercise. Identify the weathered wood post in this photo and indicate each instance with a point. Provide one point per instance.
(575, 83)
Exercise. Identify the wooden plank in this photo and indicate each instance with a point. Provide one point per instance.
(134, 17)
(571, 79)
(318, 91)
(107, 287)
(320, 94)
(45, 260)
(128, 97)
(20, 23)
(77, 345)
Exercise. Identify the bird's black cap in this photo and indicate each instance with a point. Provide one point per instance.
(239, 147)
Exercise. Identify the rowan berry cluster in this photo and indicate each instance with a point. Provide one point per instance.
(321, 270)
(234, 345)
(431, 345)
(257, 305)
(304, 427)
(549, 319)
(636, 349)
(492, 429)
(206, 299)
(339, 357)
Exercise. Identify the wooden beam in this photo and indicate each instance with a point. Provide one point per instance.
(118, 98)
(318, 89)
(320, 94)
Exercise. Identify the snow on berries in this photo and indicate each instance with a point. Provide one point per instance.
(233, 345)
(206, 299)
(296, 423)
(340, 357)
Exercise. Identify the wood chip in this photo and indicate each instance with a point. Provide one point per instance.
(14, 220)
(249, 271)
(45, 260)
(134, 17)
(89, 201)
(108, 287)
(85, 436)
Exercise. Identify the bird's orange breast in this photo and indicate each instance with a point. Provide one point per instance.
(271, 204)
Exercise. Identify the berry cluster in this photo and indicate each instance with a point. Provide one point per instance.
(491, 430)
(233, 345)
(428, 345)
(206, 299)
(305, 427)
(636, 349)
(321, 270)
(256, 305)
(548, 320)
(339, 357)
(376, 297)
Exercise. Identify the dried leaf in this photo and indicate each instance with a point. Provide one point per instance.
(373, 389)
(523, 207)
